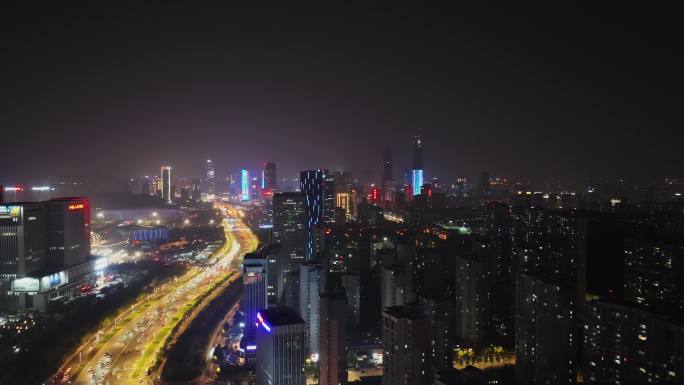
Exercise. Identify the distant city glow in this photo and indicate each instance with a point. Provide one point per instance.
(42, 188)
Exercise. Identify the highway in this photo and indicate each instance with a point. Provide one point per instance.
(122, 353)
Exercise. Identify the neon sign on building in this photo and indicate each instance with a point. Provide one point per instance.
(76, 206)
(263, 323)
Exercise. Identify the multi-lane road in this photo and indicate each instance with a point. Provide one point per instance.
(122, 353)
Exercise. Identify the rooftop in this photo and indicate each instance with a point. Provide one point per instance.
(253, 256)
(410, 311)
(280, 316)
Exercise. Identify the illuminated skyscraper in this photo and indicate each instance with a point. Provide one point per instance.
(417, 164)
(318, 187)
(166, 184)
(344, 194)
(211, 180)
(44, 252)
(22, 251)
(310, 284)
(68, 231)
(273, 268)
(289, 232)
(346, 202)
(281, 347)
(244, 184)
(328, 198)
(254, 298)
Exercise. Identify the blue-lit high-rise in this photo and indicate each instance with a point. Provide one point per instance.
(416, 181)
(417, 167)
(244, 192)
(254, 282)
(318, 187)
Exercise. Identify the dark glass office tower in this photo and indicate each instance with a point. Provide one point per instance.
(318, 187)
(281, 347)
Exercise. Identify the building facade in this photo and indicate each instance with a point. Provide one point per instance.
(44, 252)
(281, 352)
(406, 346)
(255, 282)
(166, 193)
(310, 287)
(546, 335)
(333, 339)
(290, 234)
(624, 344)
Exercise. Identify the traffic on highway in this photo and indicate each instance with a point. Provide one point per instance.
(130, 350)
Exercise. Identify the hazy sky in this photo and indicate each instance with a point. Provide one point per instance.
(524, 92)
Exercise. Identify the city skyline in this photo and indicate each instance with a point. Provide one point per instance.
(218, 193)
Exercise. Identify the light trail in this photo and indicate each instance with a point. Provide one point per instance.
(121, 353)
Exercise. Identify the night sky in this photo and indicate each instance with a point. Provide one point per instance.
(88, 90)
